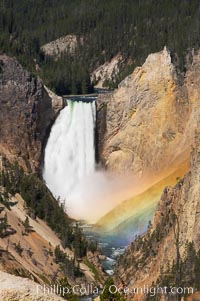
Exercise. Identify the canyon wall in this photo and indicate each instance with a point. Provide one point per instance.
(146, 128)
(26, 115)
(144, 260)
(166, 137)
(147, 125)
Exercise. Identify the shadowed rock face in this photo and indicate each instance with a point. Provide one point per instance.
(26, 114)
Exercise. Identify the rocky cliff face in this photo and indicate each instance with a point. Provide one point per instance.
(66, 44)
(30, 252)
(148, 123)
(26, 115)
(146, 128)
(22, 289)
(144, 259)
(107, 72)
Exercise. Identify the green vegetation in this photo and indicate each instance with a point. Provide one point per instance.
(109, 292)
(147, 245)
(5, 229)
(23, 273)
(39, 199)
(18, 248)
(44, 279)
(3, 226)
(190, 271)
(104, 29)
(93, 269)
(66, 75)
(79, 243)
(41, 203)
(63, 285)
(183, 272)
(68, 265)
(4, 200)
(27, 227)
(92, 246)
(1, 67)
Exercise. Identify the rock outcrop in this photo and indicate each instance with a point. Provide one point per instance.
(107, 72)
(147, 125)
(26, 115)
(57, 101)
(181, 201)
(22, 289)
(66, 44)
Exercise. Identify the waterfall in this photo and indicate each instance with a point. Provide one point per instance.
(70, 151)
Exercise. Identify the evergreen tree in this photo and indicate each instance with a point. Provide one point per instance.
(103, 29)
(27, 225)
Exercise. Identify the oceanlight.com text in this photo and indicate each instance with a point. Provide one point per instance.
(91, 289)
(152, 291)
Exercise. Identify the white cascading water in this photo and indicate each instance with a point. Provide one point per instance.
(69, 166)
(70, 152)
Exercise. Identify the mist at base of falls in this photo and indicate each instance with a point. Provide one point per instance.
(96, 194)
(69, 166)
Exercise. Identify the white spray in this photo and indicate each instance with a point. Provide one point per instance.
(69, 166)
